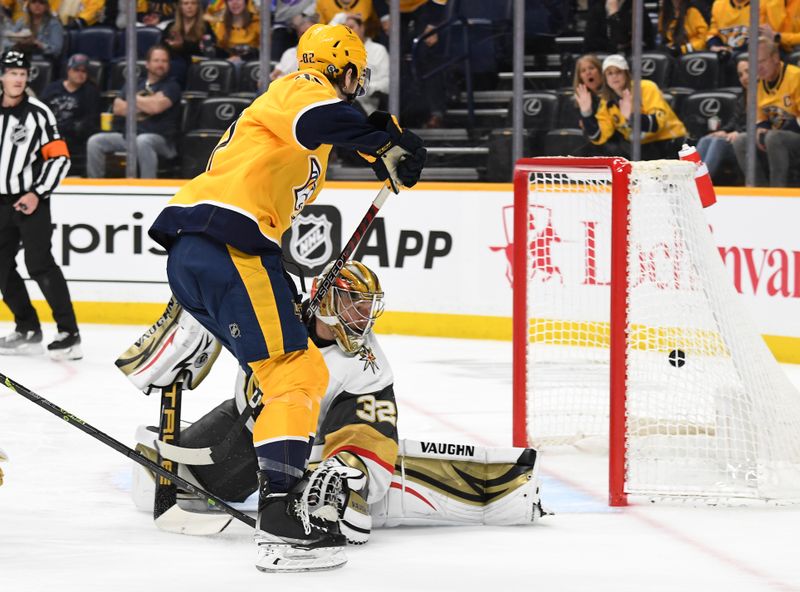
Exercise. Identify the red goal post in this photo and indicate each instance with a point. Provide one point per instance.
(626, 326)
(620, 171)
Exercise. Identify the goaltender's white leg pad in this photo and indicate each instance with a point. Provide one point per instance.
(176, 347)
(448, 483)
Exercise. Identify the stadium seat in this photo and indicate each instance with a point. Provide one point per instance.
(217, 113)
(146, 37)
(657, 67)
(679, 94)
(96, 42)
(194, 149)
(248, 77)
(568, 113)
(701, 107)
(41, 75)
(699, 70)
(210, 78)
(116, 77)
(539, 111)
(97, 73)
(563, 142)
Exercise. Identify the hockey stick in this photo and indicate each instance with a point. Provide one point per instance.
(166, 494)
(360, 231)
(167, 514)
(210, 454)
(172, 518)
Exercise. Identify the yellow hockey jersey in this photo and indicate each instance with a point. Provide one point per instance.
(659, 121)
(268, 165)
(784, 18)
(91, 11)
(327, 9)
(696, 31)
(779, 100)
(730, 21)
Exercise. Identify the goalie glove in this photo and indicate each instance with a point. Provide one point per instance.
(336, 483)
(401, 160)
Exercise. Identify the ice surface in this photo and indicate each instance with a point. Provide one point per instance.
(67, 522)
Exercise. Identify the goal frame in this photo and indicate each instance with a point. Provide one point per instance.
(620, 170)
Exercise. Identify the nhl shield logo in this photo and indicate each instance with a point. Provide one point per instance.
(19, 134)
(311, 243)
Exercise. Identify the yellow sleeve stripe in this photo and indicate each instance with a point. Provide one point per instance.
(259, 286)
(303, 111)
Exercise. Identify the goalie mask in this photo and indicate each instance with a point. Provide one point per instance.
(352, 304)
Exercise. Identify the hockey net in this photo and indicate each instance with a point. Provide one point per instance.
(626, 326)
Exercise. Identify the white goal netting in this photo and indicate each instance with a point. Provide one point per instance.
(709, 411)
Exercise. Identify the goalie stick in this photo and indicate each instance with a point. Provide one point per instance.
(211, 454)
(175, 519)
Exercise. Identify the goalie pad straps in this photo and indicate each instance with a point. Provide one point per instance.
(176, 347)
(443, 483)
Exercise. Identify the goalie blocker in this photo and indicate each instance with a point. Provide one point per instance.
(434, 483)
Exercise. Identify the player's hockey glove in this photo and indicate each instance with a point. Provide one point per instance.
(401, 160)
(336, 483)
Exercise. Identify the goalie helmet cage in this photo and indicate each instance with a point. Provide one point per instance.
(626, 325)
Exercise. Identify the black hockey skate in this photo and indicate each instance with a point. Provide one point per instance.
(65, 346)
(291, 536)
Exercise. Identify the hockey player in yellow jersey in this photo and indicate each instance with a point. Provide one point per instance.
(223, 231)
(777, 131)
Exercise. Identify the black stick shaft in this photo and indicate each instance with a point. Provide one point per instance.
(169, 426)
(351, 245)
(77, 422)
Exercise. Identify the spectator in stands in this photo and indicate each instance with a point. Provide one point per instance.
(730, 20)
(377, 96)
(153, 13)
(422, 101)
(609, 27)
(75, 102)
(300, 24)
(682, 27)
(284, 24)
(716, 148)
(363, 9)
(38, 34)
(189, 36)
(662, 132)
(158, 113)
(586, 83)
(238, 33)
(13, 9)
(778, 133)
(780, 21)
(76, 15)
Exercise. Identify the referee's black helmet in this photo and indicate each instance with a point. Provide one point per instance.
(12, 58)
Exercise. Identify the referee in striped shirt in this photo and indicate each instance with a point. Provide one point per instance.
(33, 160)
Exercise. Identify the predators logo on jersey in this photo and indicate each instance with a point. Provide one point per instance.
(303, 193)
